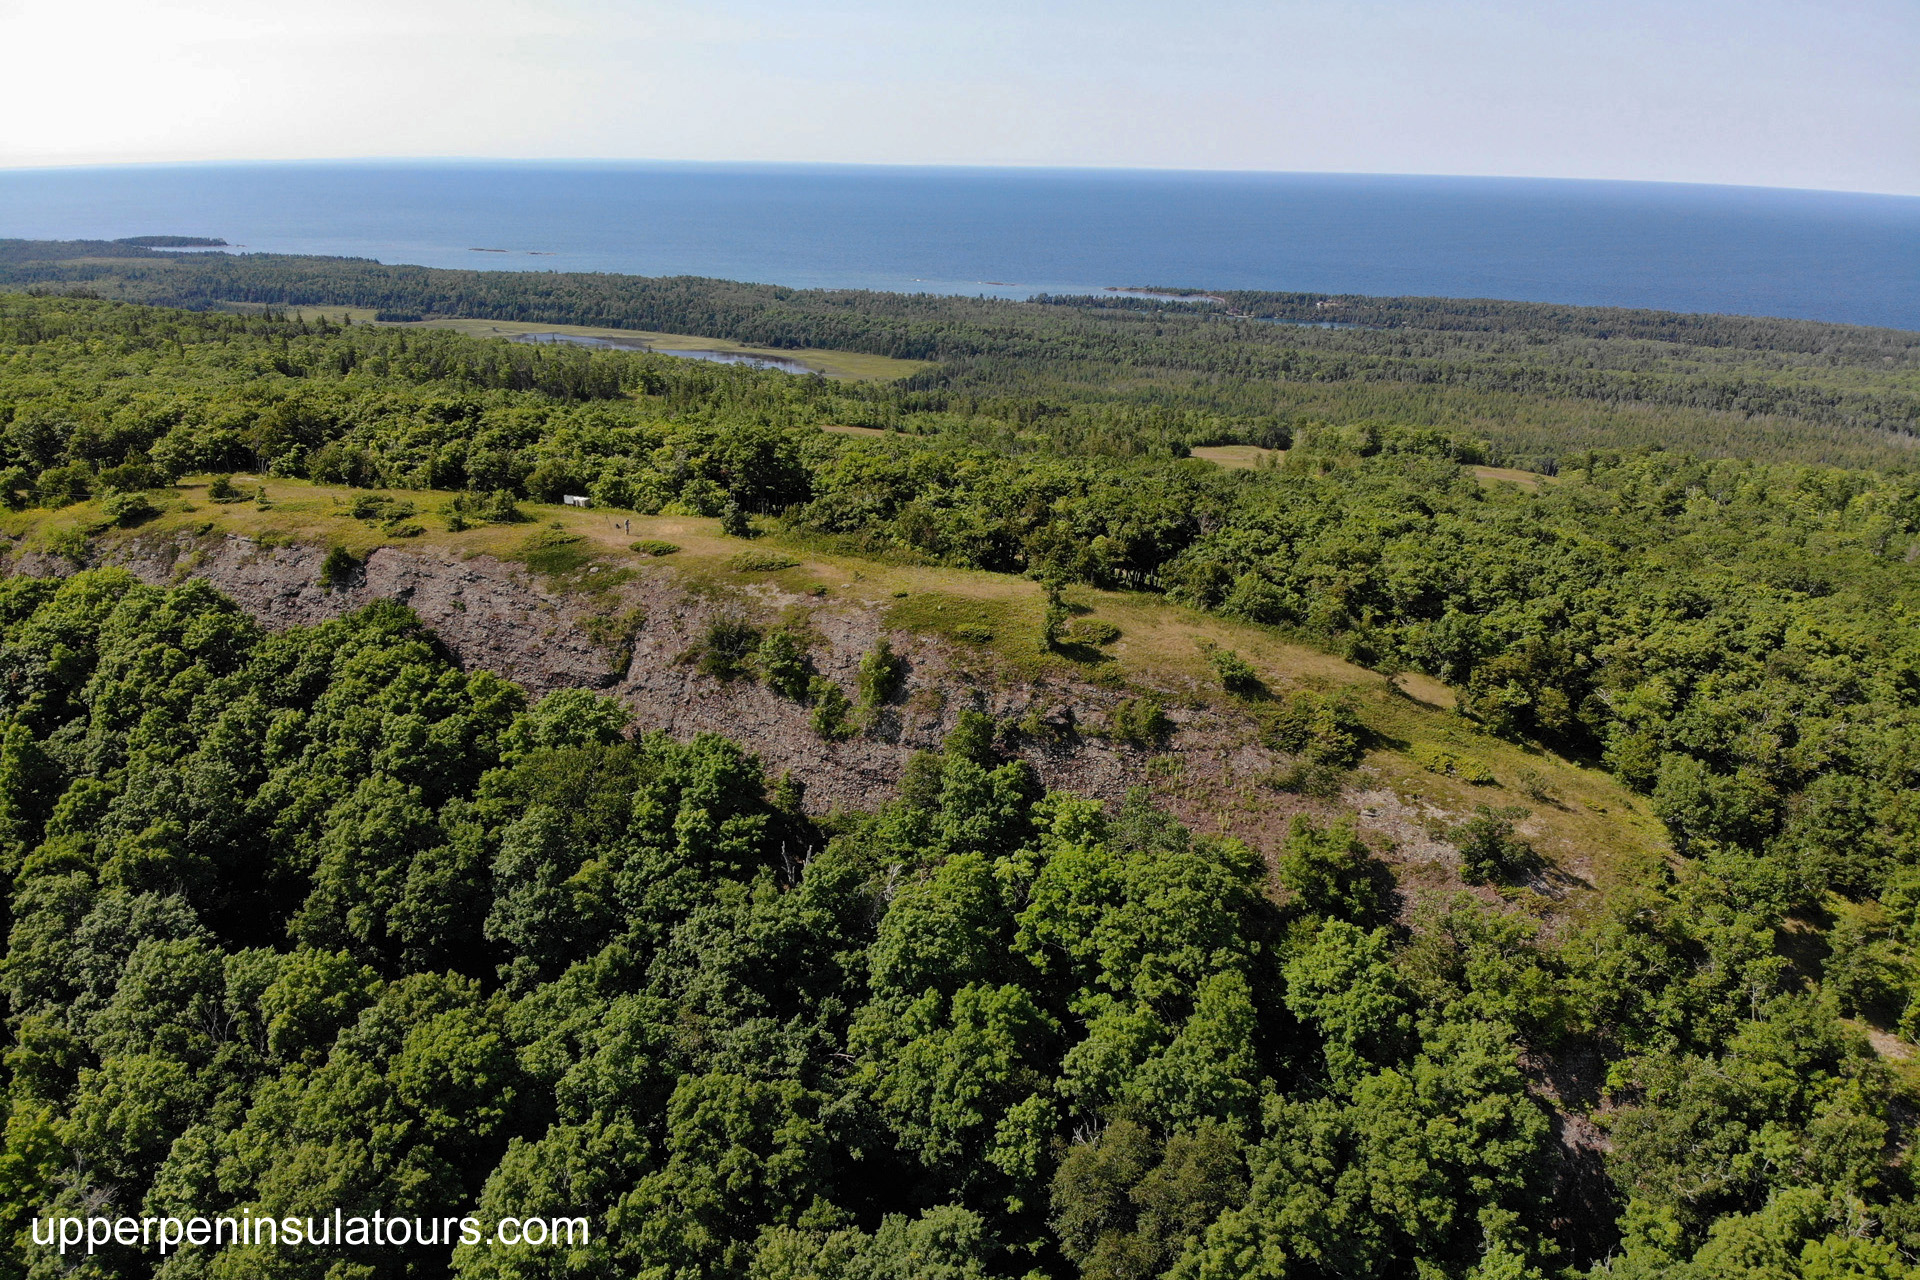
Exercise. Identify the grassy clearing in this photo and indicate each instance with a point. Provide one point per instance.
(1582, 819)
(854, 365)
(1239, 457)
(1510, 475)
(1425, 689)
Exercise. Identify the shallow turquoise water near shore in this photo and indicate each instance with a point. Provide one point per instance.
(1013, 233)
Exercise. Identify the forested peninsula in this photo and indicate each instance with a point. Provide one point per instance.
(1516, 871)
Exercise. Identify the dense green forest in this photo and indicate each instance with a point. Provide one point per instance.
(1535, 381)
(317, 919)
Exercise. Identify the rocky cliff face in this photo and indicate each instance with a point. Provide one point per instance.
(497, 616)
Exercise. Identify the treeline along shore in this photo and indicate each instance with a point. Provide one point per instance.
(1534, 380)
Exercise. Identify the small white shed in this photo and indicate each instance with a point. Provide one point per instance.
(575, 500)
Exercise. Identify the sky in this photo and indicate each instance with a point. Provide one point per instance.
(1754, 92)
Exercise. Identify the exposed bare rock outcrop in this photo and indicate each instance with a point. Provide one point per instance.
(489, 615)
(496, 615)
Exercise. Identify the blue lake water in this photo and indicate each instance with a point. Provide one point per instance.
(1013, 233)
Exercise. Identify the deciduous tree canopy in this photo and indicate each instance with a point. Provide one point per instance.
(317, 919)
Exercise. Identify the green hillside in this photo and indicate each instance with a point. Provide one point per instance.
(321, 917)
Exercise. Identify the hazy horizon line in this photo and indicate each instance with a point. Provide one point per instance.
(1003, 167)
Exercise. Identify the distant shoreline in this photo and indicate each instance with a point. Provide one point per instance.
(1835, 257)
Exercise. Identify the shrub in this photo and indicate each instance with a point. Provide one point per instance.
(727, 648)
(64, 486)
(614, 634)
(338, 568)
(1305, 778)
(734, 522)
(1332, 873)
(881, 673)
(340, 463)
(69, 544)
(1043, 725)
(1862, 971)
(832, 714)
(760, 562)
(972, 738)
(1325, 730)
(222, 489)
(500, 508)
(1490, 852)
(783, 664)
(1053, 621)
(128, 508)
(1092, 631)
(131, 477)
(1452, 764)
(1236, 676)
(653, 547)
(466, 509)
(972, 633)
(1141, 722)
(1535, 787)
(497, 507)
